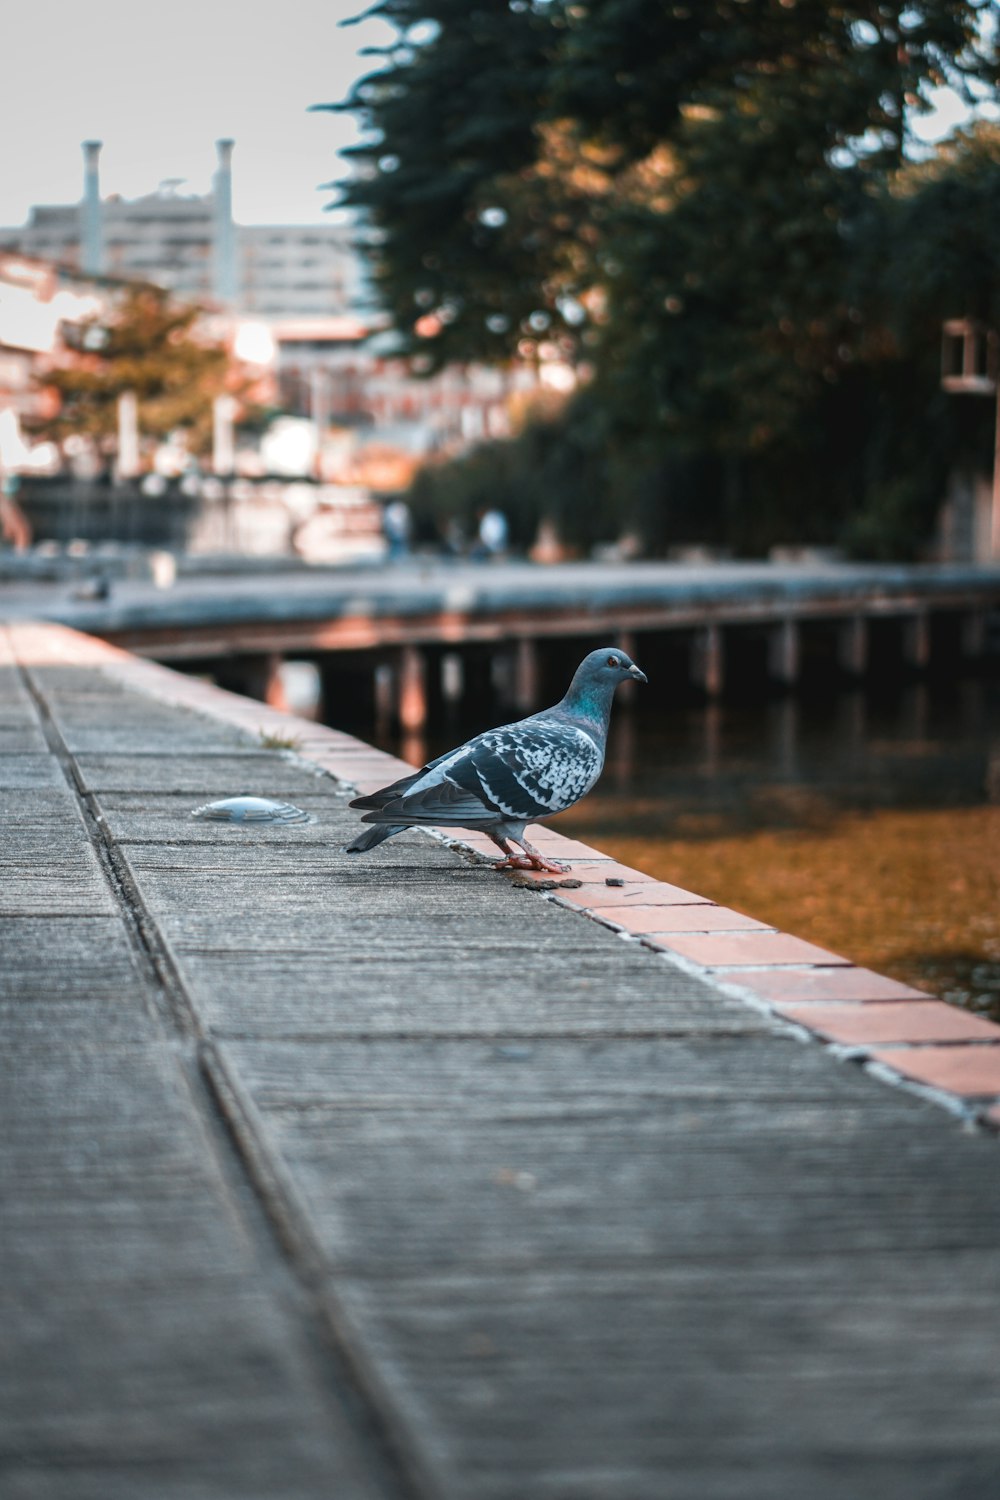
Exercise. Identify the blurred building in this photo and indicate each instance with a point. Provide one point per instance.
(346, 375)
(39, 302)
(290, 300)
(289, 271)
(191, 245)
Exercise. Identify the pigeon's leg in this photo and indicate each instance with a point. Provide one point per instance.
(538, 861)
(513, 860)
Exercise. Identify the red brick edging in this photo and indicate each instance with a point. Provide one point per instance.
(904, 1034)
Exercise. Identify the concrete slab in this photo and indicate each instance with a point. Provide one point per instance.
(72, 977)
(48, 866)
(376, 976)
(415, 1157)
(258, 773)
(25, 770)
(20, 735)
(118, 723)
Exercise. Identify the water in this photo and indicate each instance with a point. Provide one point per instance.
(866, 822)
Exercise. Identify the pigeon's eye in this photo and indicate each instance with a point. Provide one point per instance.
(613, 661)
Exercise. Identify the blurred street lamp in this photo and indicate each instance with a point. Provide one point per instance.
(970, 366)
(128, 435)
(224, 410)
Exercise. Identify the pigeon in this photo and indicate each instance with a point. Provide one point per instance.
(507, 777)
(97, 588)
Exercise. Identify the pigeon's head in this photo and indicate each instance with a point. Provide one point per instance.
(608, 667)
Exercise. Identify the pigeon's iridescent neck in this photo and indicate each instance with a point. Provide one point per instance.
(590, 702)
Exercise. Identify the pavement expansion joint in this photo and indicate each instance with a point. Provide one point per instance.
(222, 1108)
(371, 1407)
(138, 923)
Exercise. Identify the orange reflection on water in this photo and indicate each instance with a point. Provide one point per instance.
(914, 893)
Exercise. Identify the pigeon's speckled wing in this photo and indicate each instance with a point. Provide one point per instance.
(531, 769)
(517, 773)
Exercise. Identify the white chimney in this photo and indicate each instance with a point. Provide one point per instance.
(91, 237)
(224, 281)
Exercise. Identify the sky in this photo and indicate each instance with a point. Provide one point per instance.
(159, 84)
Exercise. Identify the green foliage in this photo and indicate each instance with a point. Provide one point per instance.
(451, 121)
(711, 205)
(556, 469)
(942, 235)
(147, 345)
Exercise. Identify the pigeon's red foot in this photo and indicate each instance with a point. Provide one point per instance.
(540, 863)
(531, 862)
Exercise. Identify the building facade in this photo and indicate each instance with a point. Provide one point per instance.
(292, 303)
(39, 301)
(190, 245)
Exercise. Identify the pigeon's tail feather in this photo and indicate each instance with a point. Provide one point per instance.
(372, 836)
(387, 793)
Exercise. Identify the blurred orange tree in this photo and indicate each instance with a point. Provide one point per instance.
(149, 344)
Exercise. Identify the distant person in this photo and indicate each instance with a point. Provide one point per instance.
(14, 526)
(96, 589)
(454, 539)
(396, 527)
(493, 533)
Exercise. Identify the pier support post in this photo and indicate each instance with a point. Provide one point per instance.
(783, 726)
(257, 677)
(852, 646)
(452, 677)
(784, 653)
(525, 676)
(347, 690)
(384, 697)
(914, 712)
(973, 636)
(411, 700)
(917, 640)
(712, 724)
(708, 660)
(852, 721)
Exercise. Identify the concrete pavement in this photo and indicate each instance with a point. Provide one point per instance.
(393, 1178)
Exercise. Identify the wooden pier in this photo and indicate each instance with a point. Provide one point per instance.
(396, 1179)
(430, 629)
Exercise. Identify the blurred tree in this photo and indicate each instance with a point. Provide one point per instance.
(147, 344)
(450, 119)
(942, 235)
(556, 467)
(711, 205)
(736, 292)
(521, 155)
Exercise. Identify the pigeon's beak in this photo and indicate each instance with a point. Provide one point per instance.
(639, 676)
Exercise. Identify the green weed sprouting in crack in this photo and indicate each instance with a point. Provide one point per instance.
(272, 741)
